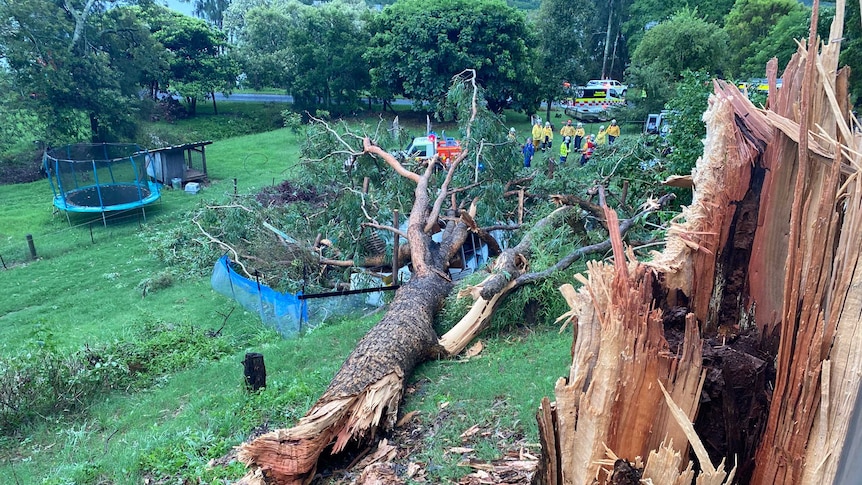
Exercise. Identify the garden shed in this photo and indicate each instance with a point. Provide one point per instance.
(187, 162)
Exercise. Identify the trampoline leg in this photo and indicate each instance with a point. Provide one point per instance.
(67, 218)
(104, 221)
(144, 211)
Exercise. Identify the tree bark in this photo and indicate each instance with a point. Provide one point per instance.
(365, 393)
(769, 247)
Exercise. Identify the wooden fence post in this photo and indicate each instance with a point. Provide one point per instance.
(255, 371)
(32, 246)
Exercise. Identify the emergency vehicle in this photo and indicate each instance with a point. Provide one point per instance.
(431, 145)
(592, 103)
(759, 85)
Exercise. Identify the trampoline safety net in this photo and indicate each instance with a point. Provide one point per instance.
(285, 312)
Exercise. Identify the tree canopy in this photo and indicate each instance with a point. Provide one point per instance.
(685, 42)
(562, 27)
(749, 22)
(77, 60)
(313, 52)
(418, 45)
(199, 65)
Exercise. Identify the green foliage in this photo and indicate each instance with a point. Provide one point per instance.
(686, 41)
(72, 61)
(282, 44)
(198, 66)
(21, 126)
(241, 226)
(419, 45)
(563, 53)
(76, 474)
(747, 24)
(687, 126)
(851, 50)
(779, 42)
(45, 380)
(634, 161)
(157, 282)
(233, 119)
(645, 14)
(187, 456)
(292, 120)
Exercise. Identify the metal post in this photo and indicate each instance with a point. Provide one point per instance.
(396, 242)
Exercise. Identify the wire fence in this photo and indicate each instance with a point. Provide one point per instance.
(68, 232)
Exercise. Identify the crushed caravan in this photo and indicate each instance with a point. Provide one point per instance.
(429, 146)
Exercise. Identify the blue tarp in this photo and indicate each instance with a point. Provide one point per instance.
(283, 311)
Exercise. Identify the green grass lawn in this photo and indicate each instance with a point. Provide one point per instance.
(84, 289)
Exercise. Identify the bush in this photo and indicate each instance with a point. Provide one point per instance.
(42, 381)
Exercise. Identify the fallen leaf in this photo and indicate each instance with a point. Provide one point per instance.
(413, 468)
(470, 432)
(474, 350)
(459, 449)
(406, 418)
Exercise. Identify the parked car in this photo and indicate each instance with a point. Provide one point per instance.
(615, 87)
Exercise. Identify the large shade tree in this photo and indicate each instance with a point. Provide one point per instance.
(200, 64)
(418, 45)
(562, 54)
(313, 52)
(751, 21)
(78, 60)
(642, 15)
(686, 41)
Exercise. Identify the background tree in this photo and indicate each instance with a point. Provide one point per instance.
(748, 23)
(261, 37)
(418, 45)
(688, 129)
(77, 59)
(851, 51)
(313, 52)
(326, 67)
(643, 15)
(212, 11)
(21, 126)
(609, 48)
(684, 42)
(199, 66)
(782, 37)
(562, 49)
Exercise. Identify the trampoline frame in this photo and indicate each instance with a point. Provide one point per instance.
(147, 190)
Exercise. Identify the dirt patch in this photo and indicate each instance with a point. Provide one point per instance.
(286, 193)
(21, 173)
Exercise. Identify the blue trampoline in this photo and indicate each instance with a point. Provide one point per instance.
(100, 178)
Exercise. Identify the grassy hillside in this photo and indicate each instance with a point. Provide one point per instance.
(100, 292)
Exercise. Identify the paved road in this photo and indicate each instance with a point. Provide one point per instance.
(276, 98)
(260, 98)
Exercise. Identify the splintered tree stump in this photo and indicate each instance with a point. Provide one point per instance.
(768, 248)
(255, 371)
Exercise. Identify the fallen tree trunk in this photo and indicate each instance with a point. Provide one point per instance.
(365, 393)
